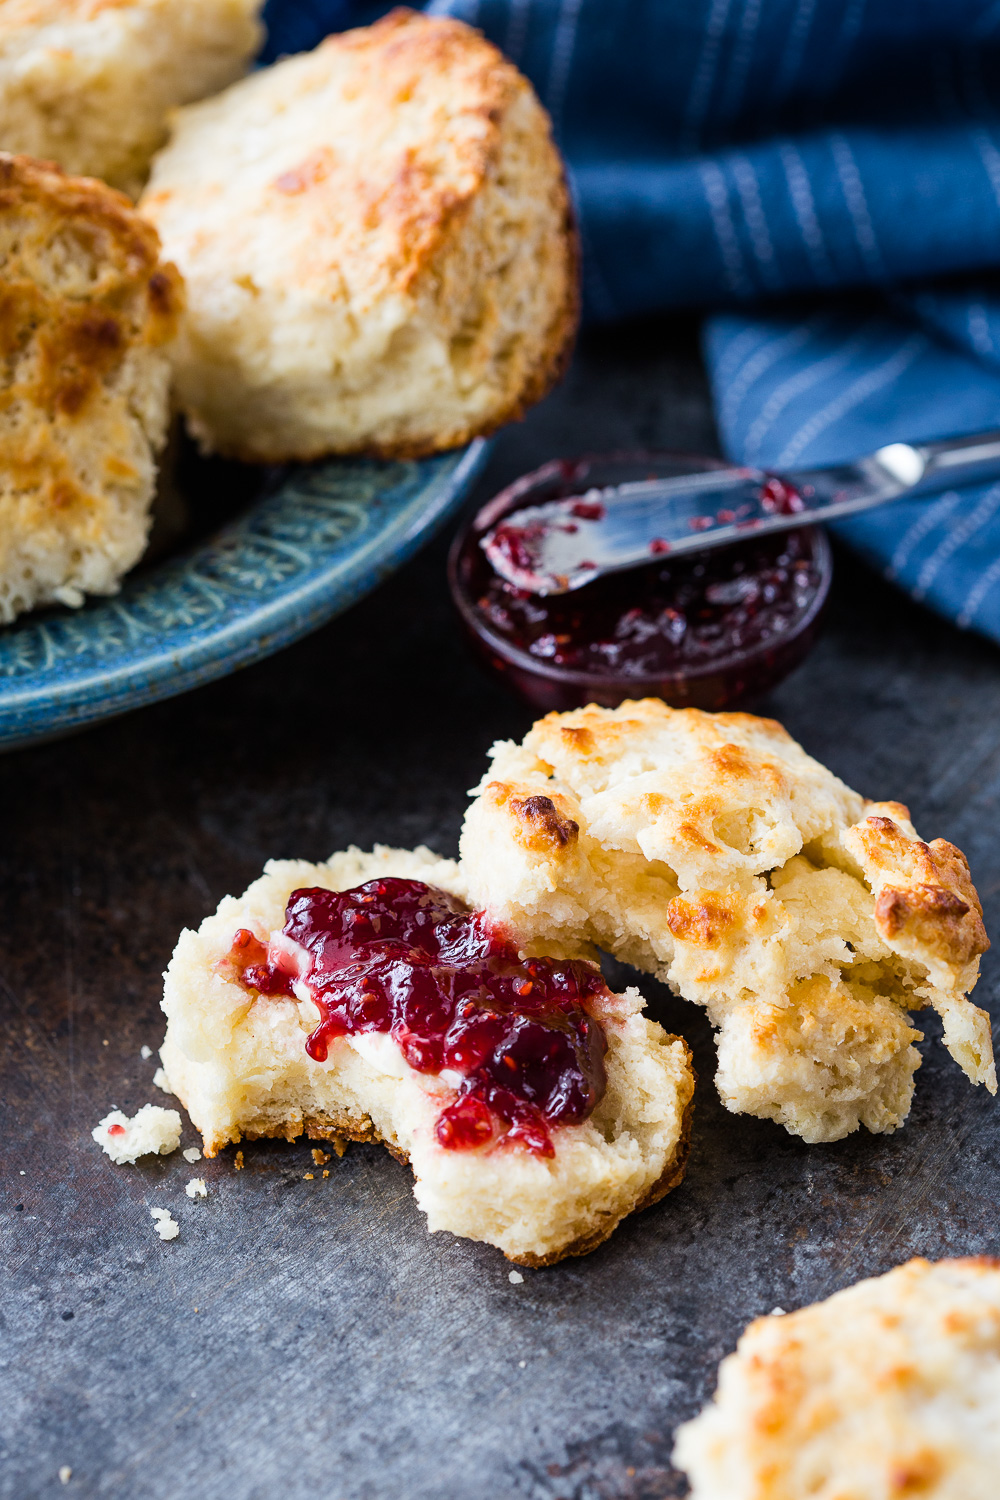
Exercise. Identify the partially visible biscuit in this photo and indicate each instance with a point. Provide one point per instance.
(712, 851)
(86, 309)
(378, 245)
(238, 1062)
(89, 83)
(886, 1391)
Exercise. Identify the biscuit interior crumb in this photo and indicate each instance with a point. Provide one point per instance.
(713, 852)
(151, 1130)
(197, 1188)
(167, 1226)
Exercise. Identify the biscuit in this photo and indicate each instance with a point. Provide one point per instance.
(89, 83)
(886, 1390)
(378, 245)
(712, 851)
(237, 1061)
(86, 308)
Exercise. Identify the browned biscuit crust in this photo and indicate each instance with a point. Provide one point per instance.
(460, 215)
(344, 1127)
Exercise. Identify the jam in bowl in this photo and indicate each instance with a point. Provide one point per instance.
(703, 629)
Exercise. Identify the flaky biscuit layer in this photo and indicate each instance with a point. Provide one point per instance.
(712, 851)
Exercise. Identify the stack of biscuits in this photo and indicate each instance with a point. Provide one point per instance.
(368, 248)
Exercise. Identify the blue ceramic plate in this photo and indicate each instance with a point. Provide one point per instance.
(323, 537)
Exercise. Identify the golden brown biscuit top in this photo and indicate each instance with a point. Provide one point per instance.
(358, 155)
(890, 1388)
(16, 15)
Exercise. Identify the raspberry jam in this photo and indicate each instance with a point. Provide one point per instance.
(513, 1036)
(666, 616)
(707, 629)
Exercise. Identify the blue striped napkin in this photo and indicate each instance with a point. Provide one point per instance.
(737, 154)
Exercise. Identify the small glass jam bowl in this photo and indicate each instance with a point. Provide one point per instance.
(705, 630)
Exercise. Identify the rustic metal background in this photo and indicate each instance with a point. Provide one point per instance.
(308, 1339)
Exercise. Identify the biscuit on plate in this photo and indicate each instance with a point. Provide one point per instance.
(236, 1057)
(712, 851)
(885, 1391)
(378, 246)
(89, 83)
(87, 307)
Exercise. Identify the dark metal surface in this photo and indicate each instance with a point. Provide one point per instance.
(309, 1339)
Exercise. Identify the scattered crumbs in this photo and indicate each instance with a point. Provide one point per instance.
(238, 1161)
(23, 1172)
(191, 1153)
(521, 1364)
(515, 1278)
(339, 1144)
(161, 1081)
(196, 1309)
(65, 1474)
(105, 1042)
(197, 1188)
(308, 1176)
(777, 1312)
(320, 1157)
(326, 1171)
(145, 1053)
(167, 1226)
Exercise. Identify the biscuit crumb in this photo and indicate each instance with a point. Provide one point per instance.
(521, 1364)
(167, 1226)
(191, 1154)
(777, 1312)
(105, 1042)
(197, 1188)
(152, 1130)
(515, 1278)
(320, 1157)
(145, 1053)
(326, 1171)
(339, 1145)
(308, 1177)
(238, 1161)
(65, 1474)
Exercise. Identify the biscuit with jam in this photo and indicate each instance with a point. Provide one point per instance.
(362, 1000)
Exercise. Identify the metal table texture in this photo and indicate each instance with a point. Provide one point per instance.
(307, 1338)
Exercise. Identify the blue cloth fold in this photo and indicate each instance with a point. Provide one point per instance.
(734, 154)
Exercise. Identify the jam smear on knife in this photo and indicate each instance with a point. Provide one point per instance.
(405, 958)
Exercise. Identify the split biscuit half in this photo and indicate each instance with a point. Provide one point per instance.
(237, 1060)
(712, 851)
